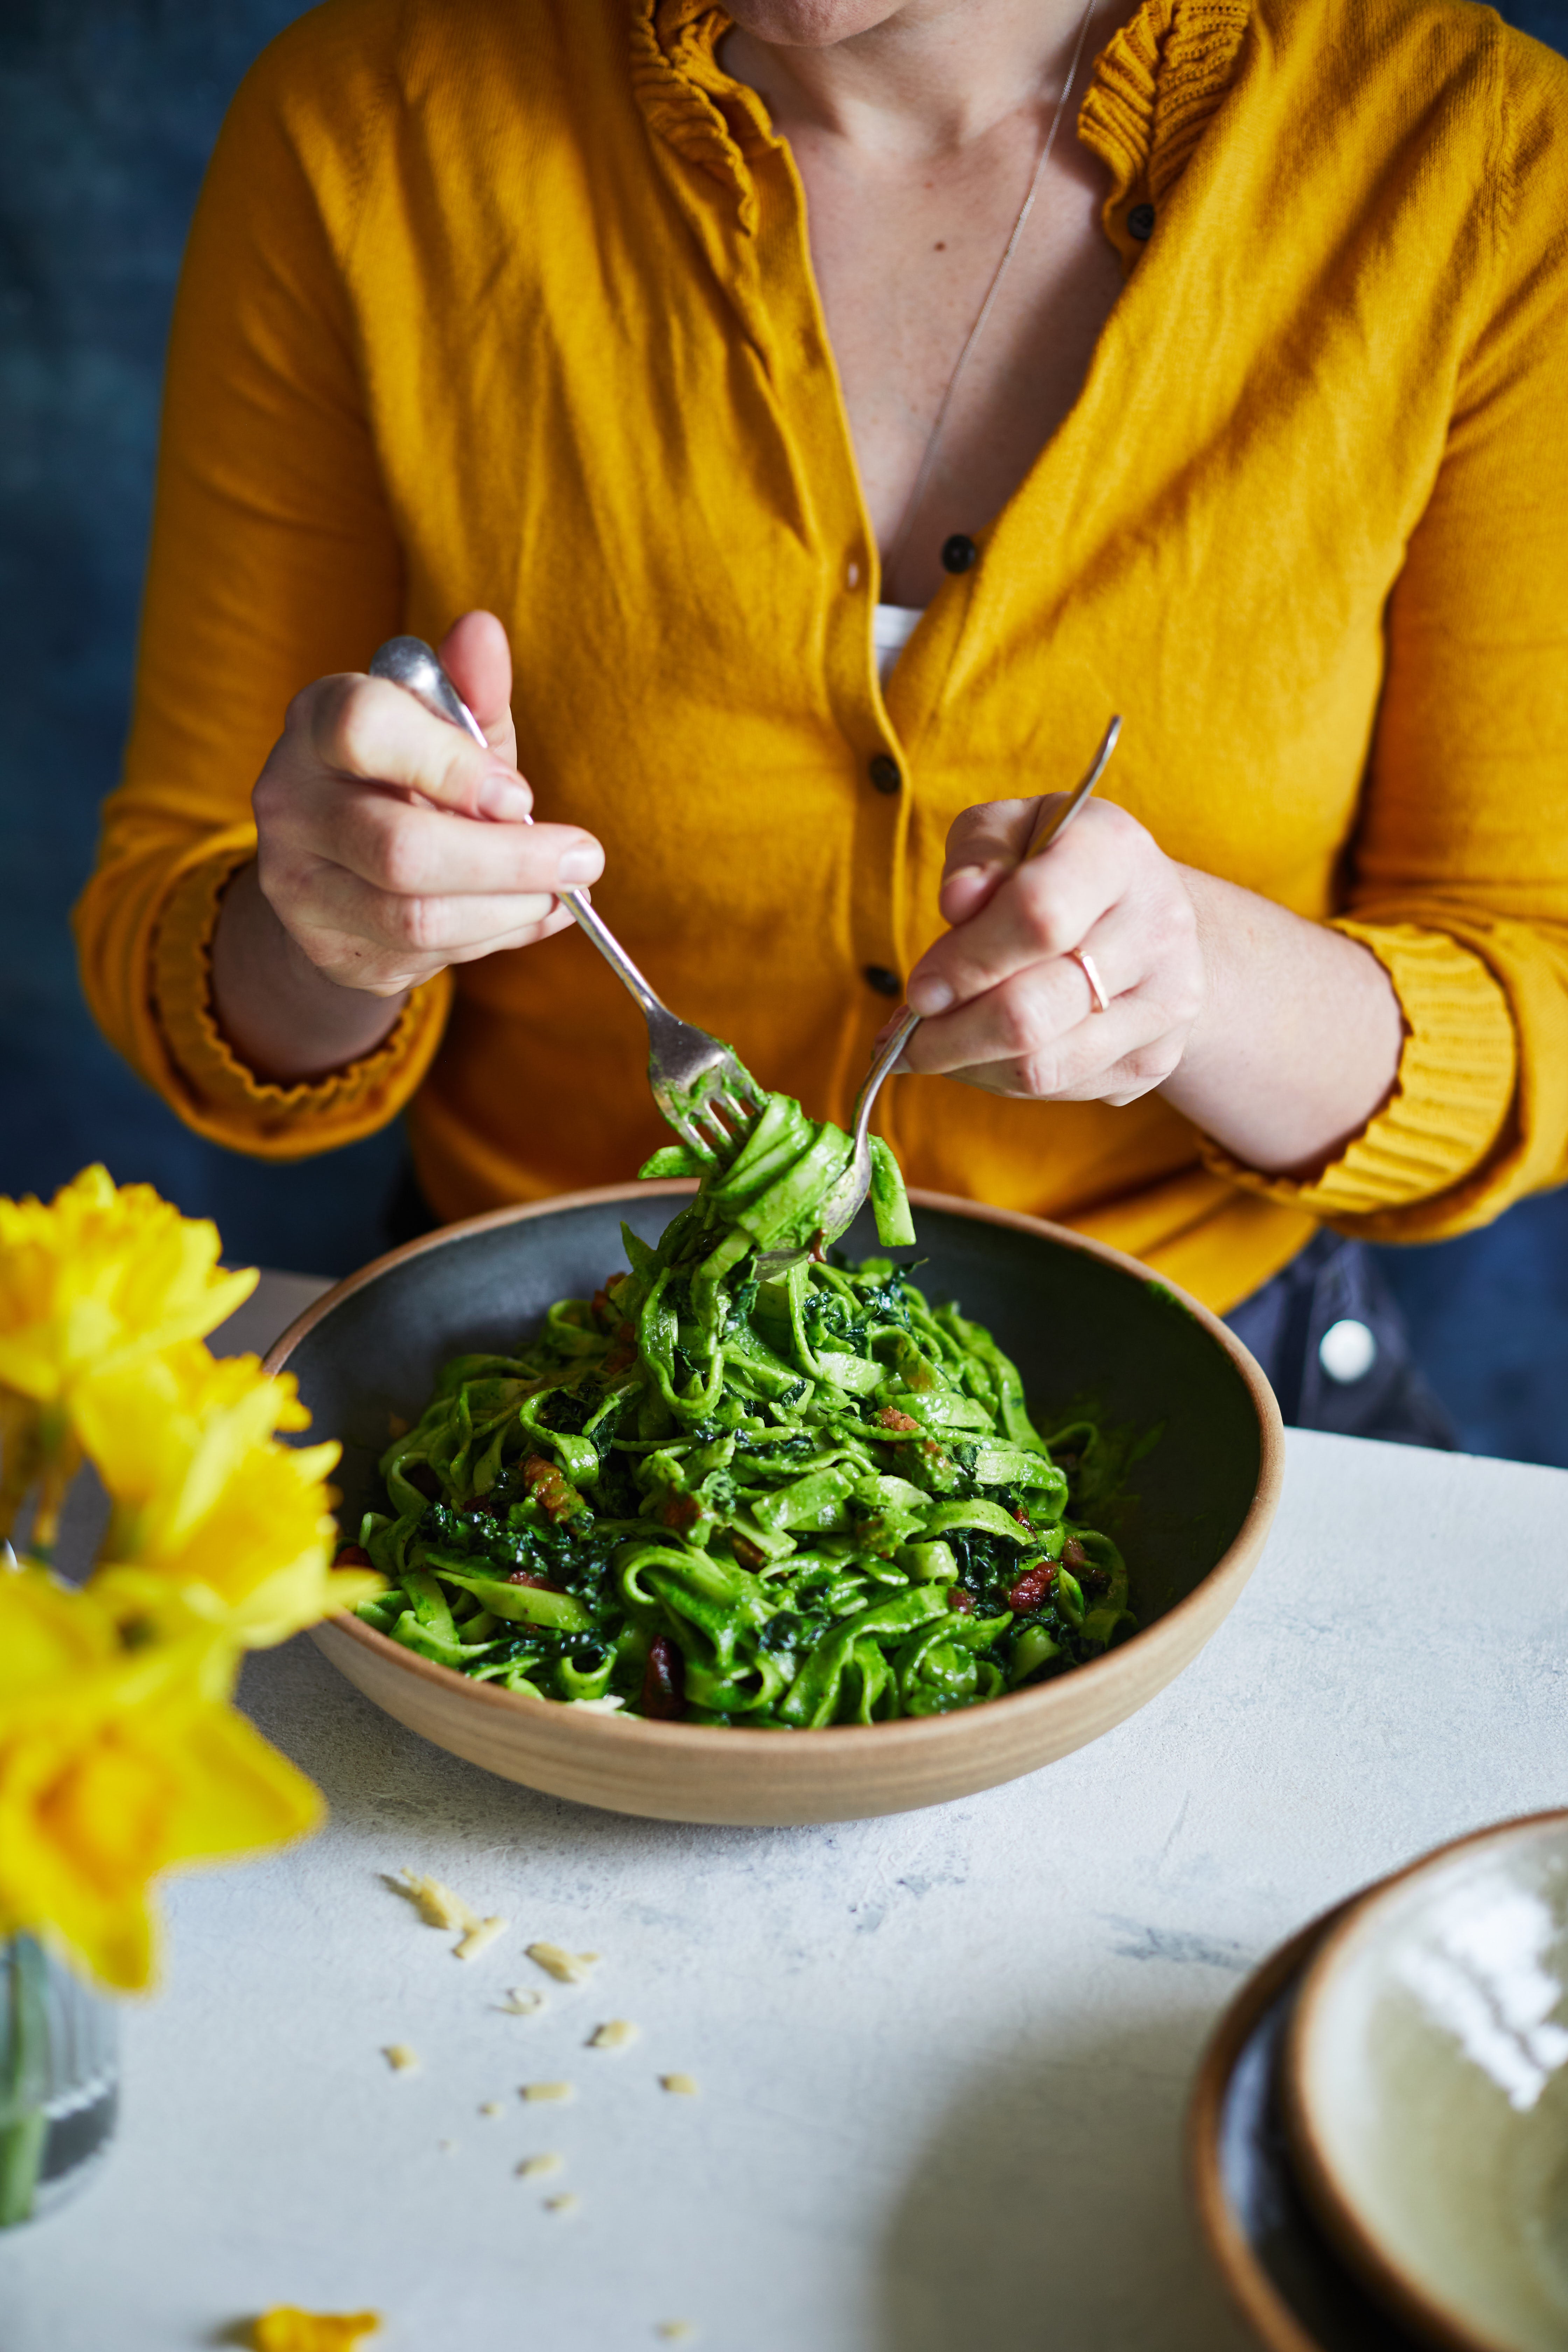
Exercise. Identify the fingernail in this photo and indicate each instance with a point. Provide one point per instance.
(928, 994)
(581, 863)
(969, 876)
(502, 797)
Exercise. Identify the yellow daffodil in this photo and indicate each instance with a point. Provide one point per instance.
(286, 2329)
(98, 1279)
(212, 1519)
(116, 1764)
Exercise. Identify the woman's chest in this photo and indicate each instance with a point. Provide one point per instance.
(963, 302)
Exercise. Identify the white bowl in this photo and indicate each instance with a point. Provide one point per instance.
(1427, 2089)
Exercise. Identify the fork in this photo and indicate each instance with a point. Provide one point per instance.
(842, 1202)
(701, 1084)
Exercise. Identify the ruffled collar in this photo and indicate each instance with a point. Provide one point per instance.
(1156, 85)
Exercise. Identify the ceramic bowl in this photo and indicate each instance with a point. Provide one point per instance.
(1091, 1329)
(1426, 2081)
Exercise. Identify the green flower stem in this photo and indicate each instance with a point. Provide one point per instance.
(24, 2071)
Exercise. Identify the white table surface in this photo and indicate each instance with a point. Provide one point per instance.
(943, 2059)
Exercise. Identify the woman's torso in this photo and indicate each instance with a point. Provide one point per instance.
(603, 404)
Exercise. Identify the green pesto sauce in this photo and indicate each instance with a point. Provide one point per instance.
(782, 1504)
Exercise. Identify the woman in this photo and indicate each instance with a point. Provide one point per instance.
(695, 356)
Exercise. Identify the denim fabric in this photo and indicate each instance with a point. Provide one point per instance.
(1329, 1282)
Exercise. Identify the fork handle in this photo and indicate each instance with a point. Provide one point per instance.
(409, 662)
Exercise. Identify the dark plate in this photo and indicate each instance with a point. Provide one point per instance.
(1289, 2280)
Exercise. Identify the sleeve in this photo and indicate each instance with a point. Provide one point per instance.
(1458, 879)
(274, 560)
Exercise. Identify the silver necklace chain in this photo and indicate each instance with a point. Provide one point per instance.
(927, 462)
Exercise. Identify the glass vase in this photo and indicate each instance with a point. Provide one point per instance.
(58, 2081)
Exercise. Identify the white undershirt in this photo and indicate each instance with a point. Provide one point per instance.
(892, 627)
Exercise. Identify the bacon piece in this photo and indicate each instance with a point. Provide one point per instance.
(890, 1417)
(623, 1354)
(681, 1511)
(664, 1681)
(1073, 1553)
(748, 1553)
(1031, 1590)
(536, 1583)
(352, 1556)
(958, 1599)
(554, 1494)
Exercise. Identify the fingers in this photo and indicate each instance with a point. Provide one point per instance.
(1038, 1036)
(983, 845)
(1033, 913)
(412, 851)
(371, 731)
(476, 657)
(1032, 1013)
(428, 929)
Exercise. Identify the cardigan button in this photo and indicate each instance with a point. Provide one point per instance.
(885, 983)
(959, 553)
(1141, 223)
(884, 773)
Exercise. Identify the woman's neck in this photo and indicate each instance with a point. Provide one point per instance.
(926, 81)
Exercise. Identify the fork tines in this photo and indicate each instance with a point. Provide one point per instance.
(726, 1114)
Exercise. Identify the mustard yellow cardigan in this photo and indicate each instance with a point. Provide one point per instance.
(509, 303)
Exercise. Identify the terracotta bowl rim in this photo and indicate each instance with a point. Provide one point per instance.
(924, 1733)
(1397, 2287)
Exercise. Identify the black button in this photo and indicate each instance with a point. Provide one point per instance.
(959, 553)
(1141, 223)
(884, 773)
(885, 983)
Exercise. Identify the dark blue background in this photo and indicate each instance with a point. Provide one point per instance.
(107, 112)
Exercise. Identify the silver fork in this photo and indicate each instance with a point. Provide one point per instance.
(701, 1085)
(842, 1202)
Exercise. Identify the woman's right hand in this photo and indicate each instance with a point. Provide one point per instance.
(388, 845)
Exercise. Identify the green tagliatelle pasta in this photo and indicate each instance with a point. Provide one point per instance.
(780, 1503)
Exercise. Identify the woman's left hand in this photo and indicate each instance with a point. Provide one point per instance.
(1003, 1003)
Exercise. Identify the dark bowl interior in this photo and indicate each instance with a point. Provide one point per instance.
(1091, 1336)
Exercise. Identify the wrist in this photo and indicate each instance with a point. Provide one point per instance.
(282, 1015)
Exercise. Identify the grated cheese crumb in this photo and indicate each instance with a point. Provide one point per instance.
(547, 2091)
(520, 2002)
(614, 2035)
(566, 1968)
(479, 1938)
(675, 2331)
(533, 2167)
(446, 2146)
(490, 2108)
(684, 2086)
(401, 2058)
(566, 2203)
(436, 1904)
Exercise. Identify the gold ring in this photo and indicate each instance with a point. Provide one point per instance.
(1090, 971)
